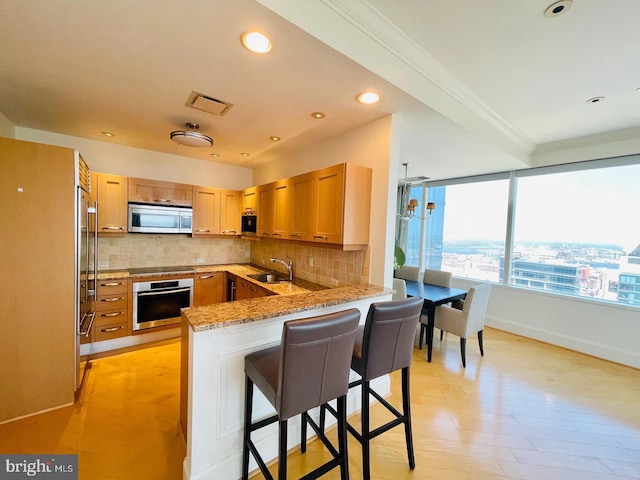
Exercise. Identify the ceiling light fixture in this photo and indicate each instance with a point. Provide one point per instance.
(558, 8)
(108, 134)
(256, 42)
(407, 205)
(274, 138)
(368, 98)
(244, 154)
(318, 115)
(190, 137)
(595, 99)
(215, 155)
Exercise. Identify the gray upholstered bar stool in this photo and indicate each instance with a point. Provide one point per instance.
(309, 367)
(383, 345)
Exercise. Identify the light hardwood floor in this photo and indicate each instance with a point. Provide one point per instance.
(525, 410)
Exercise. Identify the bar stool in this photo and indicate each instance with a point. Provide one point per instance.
(309, 367)
(383, 345)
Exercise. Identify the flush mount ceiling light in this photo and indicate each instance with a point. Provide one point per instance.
(368, 98)
(558, 8)
(595, 99)
(318, 115)
(190, 137)
(256, 42)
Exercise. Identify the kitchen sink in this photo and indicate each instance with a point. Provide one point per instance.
(268, 277)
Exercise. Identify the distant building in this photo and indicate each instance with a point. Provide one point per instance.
(569, 279)
(629, 281)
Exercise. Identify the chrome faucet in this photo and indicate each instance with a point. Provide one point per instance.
(288, 264)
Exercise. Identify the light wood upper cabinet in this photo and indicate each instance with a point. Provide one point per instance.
(158, 192)
(111, 195)
(274, 209)
(229, 212)
(250, 200)
(209, 288)
(206, 211)
(303, 205)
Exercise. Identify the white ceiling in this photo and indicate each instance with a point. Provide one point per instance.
(497, 73)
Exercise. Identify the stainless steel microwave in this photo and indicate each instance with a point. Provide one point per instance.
(154, 219)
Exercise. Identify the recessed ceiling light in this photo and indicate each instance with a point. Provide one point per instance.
(216, 155)
(108, 134)
(256, 42)
(368, 98)
(318, 115)
(274, 138)
(244, 154)
(595, 99)
(558, 8)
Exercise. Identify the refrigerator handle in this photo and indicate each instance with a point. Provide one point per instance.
(94, 210)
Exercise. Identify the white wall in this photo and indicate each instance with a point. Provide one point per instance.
(368, 145)
(7, 128)
(134, 162)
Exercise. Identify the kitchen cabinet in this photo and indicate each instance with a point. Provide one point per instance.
(209, 288)
(160, 193)
(113, 310)
(332, 206)
(273, 209)
(246, 289)
(111, 195)
(250, 200)
(229, 212)
(206, 211)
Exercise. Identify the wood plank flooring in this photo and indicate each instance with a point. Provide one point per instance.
(525, 410)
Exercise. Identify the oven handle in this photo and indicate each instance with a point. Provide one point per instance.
(163, 292)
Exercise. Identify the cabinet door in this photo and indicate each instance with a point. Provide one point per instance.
(250, 200)
(281, 209)
(329, 209)
(303, 206)
(206, 211)
(243, 289)
(142, 190)
(266, 210)
(229, 212)
(112, 204)
(209, 288)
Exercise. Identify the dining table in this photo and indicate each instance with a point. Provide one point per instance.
(433, 296)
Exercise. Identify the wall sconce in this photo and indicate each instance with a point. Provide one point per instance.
(410, 211)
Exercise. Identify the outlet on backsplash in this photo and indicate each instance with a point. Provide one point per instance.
(103, 264)
(200, 260)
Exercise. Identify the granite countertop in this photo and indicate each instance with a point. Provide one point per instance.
(219, 315)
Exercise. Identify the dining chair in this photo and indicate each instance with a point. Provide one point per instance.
(434, 277)
(400, 287)
(468, 319)
(408, 273)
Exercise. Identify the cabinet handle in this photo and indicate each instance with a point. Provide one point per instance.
(203, 230)
(162, 200)
(229, 231)
(114, 299)
(323, 237)
(111, 329)
(111, 284)
(296, 234)
(275, 234)
(112, 227)
(116, 314)
(205, 276)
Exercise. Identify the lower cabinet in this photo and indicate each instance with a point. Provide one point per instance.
(246, 289)
(113, 310)
(209, 288)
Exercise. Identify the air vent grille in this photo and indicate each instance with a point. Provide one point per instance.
(208, 104)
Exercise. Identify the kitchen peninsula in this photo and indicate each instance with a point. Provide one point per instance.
(215, 340)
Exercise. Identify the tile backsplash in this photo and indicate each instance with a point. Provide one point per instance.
(326, 266)
(153, 250)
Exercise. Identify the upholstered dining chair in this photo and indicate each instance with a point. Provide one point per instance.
(400, 286)
(466, 317)
(434, 277)
(408, 273)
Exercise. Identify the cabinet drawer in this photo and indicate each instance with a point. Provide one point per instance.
(108, 332)
(110, 317)
(112, 287)
(111, 302)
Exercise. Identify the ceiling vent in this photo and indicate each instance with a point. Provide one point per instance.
(208, 104)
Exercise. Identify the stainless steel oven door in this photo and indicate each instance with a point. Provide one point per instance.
(158, 303)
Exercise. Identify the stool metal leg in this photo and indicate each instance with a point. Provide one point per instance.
(342, 437)
(282, 450)
(248, 406)
(406, 407)
(366, 437)
(303, 432)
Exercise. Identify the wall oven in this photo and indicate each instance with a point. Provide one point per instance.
(158, 303)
